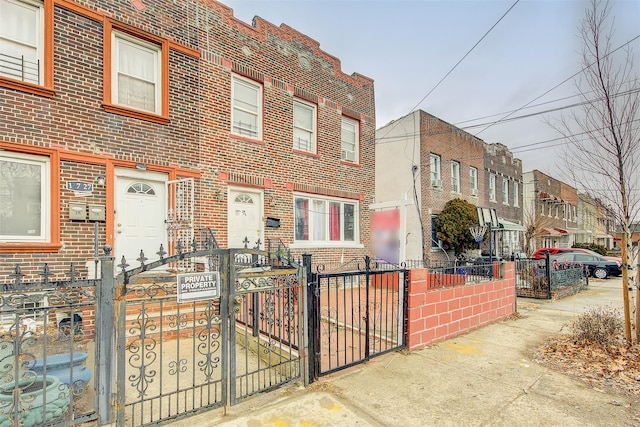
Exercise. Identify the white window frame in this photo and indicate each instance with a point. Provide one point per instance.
(45, 197)
(326, 242)
(455, 177)
(492, 187)
(516, 193)
(298, 103)
(344, 151)
(505, 191)
(39, 42)
(237, 130)
(473, 181)
(435, 163)
(117, 38)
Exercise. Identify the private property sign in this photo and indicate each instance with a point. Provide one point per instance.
(198, 286)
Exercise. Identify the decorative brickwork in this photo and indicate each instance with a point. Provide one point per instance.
(206, 46)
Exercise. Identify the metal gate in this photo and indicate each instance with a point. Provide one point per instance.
(355, 315)
(178, 358)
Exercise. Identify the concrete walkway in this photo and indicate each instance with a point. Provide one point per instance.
(484, 378)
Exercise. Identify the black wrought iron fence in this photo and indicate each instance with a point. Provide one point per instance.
(47, 369)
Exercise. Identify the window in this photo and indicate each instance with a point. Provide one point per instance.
(26, 45)
(136, 73)
(246, 113)
(435, 242)
(505, 191)
(542, 208)
(473, 181)
(21, 40)
(325, 220)
(434, 162)
(304, 126)
(516, 194)
(350, 140)
(455, 177)
(24, 198)
(492, 187)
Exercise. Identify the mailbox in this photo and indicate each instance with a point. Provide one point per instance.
(77, 211)
(96, 213)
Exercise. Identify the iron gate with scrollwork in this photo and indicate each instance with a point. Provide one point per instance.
(181, 358)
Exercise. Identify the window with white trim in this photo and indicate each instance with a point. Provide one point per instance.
(492, 187)
(325, 220)
(136, 73)
(349, 140)
(473, 181)
(505, 191)
(24, 197)
(516, 194)
(304, 126)
(246, 108)
(455, 177)
(22, 40)
(434, 168)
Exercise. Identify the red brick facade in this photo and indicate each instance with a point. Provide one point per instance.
(83, 135)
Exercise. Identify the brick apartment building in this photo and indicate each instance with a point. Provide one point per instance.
(503, 181)
(550, 209)
(421, 163)
(151, 117)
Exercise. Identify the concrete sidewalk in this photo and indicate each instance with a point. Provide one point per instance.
(483, 378)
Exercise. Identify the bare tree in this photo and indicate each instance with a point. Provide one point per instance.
(603, 150)
(535, 228)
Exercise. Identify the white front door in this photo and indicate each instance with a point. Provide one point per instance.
(245, 218)
(141, 207)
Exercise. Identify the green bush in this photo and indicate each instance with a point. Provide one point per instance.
(598, 325)
(592, 247)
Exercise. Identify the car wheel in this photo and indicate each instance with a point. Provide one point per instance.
(600, 273)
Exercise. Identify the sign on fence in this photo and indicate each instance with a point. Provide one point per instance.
(198, 286)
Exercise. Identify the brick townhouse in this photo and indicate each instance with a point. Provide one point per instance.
(550, 207)
(154, 120)
(422, 162)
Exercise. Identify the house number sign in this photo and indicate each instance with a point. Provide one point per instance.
(80, 186)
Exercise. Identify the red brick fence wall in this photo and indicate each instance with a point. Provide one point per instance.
(437, 314)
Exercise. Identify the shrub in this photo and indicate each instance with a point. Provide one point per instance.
(597, 325)
(592, 247)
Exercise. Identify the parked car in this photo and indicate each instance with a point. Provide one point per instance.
(540, 253)
(598, 266)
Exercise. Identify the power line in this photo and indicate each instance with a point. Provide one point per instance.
(558, 85)
(457, 63)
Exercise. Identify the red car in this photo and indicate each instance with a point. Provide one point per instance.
(541, 253)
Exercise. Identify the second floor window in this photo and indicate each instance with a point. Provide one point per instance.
(304, 126)
(137, 73)
(350, 140)
(455, 177)
(516, 193)
(492, 187)
(434, 166)
(505, 191)
(22, 40)
(246, 111)
(473, 181)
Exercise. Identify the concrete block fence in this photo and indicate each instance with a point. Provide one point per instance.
(437, 314)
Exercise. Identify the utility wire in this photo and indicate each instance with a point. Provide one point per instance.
(456, 65)
(558, 85)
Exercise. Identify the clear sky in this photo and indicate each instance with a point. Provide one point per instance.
(408, 46)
